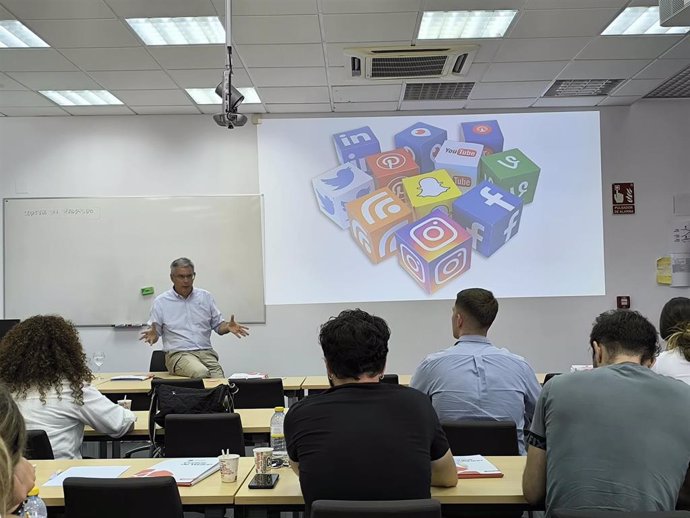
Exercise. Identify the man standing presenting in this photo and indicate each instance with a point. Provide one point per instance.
(185, 317)
(474, 380)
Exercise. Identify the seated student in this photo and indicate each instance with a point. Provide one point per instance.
(44, 366)
(616, 437)
(674, 327)
(361, 439)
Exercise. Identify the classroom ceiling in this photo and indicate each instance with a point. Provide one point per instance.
(291, 51)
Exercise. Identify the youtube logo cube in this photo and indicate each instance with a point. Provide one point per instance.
(390, 167)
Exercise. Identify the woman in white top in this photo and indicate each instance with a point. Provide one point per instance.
(674, 327)
(43, 364)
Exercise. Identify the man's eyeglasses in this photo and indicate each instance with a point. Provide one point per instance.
(185, 277)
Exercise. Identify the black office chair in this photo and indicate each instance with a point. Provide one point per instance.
(482, 437)
(158, 362)
(564, 513)
(118, 497)
(390, 378)
(189, 383)
(549, 376)
(259, 393)
(376, 509)
(38, 446)
(203, 435)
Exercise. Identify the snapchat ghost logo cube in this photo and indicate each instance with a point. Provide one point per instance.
(355, 145)
(513, 171)
(461, 160)
(423, 141)
(374, 220)
(487, 133)
(338, 186)
(434, 251)
(390, 167)
(429, 191)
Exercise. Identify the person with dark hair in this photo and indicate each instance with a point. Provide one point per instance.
(474, 379)
(361, 422)
(616, 437)
(43, 364)
(674, 326)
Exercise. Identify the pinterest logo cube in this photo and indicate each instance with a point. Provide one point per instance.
(355, 145)
(423, 141)
(429, 191)
(390, 167)
(374, 221)
(490, 214)
(513, 171)
(336, 187)
(461, 160)
(434, 250)
(486, 133)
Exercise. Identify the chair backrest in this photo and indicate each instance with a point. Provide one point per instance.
(259, 393)
(390, 378)
(427, 508)
(118, 497)
(564, 513)
(38, 445)
(158, 362)
(203, 435)
(551, 375)
(482, 437)
(189, 383)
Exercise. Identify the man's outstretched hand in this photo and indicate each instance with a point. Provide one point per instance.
(233, 327)
(149, 336)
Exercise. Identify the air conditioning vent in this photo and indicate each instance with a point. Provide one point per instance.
(674, 13)
(437, 91)
(676, 87)
(582, 87)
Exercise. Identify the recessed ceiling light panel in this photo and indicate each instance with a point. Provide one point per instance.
(451, 25)
(14, 34)
(81, 97)
(197, 30)
(209, 95)
(640, 20)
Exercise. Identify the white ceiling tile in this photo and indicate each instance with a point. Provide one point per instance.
(365, 107)
(509, 90)
(454, 5)
(62, 10)
(680, 51)
(7, 83)
(663, 68)
(5, 14)
(84, 33)
(128, 58)
(266, 30)
(539, 49)
(600, 69)
(162, 8)
(186, 57)
(201, 78)
(367, 6)
(487, 49)
(298, 76)
(433, 105)
(134, 80)
(32, 111)
(21, 60)
(299, 108)
(164, 110)
(572, 4)
(14, 98)
(494, 104)
(98, 110)
(335, 55)
(569, 101)
(55, 80)
(525, 71)
(369, 27)
(619, 101)
(304, 94)
(153, 97)
(475, 74)
(637, 87)
(628, 47)
(269, 56)
(558, 23)
(273, 7)
(348, 94)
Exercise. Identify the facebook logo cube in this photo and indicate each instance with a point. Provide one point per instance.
(355, 145)
(461, 160)
(486, 133)
(490, 214)
(424, 142)
(337, 187)
(513, 171)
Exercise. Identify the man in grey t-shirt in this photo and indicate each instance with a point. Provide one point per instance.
(613, 438)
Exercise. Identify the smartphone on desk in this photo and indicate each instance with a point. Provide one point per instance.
(264, 481)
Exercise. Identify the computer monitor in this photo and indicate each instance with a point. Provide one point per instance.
(6, 325)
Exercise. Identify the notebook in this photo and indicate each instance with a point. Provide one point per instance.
(186, 472)
(476, 466)
(248, 376)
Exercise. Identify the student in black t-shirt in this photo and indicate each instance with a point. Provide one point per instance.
(361, 439)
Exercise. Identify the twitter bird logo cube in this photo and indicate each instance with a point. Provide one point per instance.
(490, 214)
(339, 186)
(374, 220)
(390, 167)
(434, 251)
(461, 160)
(513, 171)
(486, 133)
(429, 191)
(355, 145)
(423, 141)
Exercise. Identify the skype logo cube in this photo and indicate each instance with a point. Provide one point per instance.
(390, 167)
(434, 251)
(374, 221)
(424, 142)
(490, 214)
(513, 171)
(355, 145)
(339, 186)
(430, 191)
(487, 133)
(461, 160)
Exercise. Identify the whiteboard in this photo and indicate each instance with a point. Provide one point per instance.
(87, 259)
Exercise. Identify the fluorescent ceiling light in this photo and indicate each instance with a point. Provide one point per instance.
(197, 30)
(209, 96)
(640, 20)
(250, 95)
(16, 34)
(452, 25)
(81, 97)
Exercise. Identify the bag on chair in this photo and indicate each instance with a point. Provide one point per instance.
(169, 399)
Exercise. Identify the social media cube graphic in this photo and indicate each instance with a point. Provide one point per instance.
(374, 220)
(390, 167)
(423, 141)
(490, 214)
(461, 160)
(355, 145)
(486, 133)
(513, 171)
(429, 191)
(434, 250)
(338, 186)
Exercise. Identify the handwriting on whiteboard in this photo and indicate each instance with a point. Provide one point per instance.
(70, 212)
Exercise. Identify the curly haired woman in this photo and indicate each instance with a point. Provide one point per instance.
(43, 364)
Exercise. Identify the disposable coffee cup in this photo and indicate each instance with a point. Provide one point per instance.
(125, 403)
(228, 467)
(262, 459)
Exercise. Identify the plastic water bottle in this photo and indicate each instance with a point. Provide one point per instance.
(34, 507)
(278, 435)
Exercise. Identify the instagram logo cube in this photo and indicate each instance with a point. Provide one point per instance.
(490, 214)
(390, 167)
(338, 186)
(434, 250)
(423, 141)
(429, 191)
(461, 160)
(355, 145)
(513, 171)
(486, 133)
(374, 220)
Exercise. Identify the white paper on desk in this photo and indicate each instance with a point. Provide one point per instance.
(87, 472)
(129, 377)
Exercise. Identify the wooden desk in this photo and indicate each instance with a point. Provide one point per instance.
(540, 377)
(210, 491)
(106, 386)
(321, 382)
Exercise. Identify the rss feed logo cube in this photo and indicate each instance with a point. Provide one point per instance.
(423, 141)
(513, 171)
(374, 220)
(355, 145)
(487, 133)
(461, 160)
(338, 186)
(434, 250)
(429, 191)
(390, 167)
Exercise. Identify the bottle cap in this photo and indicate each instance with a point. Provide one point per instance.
(279, 409)
(34, 491)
